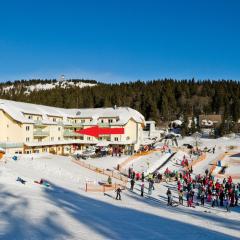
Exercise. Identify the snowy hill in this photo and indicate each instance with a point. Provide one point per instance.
(65, 211)
(26, 87)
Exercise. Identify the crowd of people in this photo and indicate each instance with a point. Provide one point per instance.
(193, 189)
(206, 188)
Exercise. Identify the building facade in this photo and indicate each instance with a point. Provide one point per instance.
(31, 128)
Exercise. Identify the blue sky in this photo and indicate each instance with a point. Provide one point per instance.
(120, 40)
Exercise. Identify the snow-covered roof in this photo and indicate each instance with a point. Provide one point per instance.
(2, 150)
(17, 110)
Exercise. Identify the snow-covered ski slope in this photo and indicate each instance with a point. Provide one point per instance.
(65, 211)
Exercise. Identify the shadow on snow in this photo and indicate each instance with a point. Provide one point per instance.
(106, 220)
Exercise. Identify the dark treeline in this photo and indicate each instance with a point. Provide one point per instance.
(160, 100)
(45, 81)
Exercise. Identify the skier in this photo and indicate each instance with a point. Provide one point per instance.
(202, 197)
(213, 199)
(150, 187)
(227, 203)
(133, 174)
(180, 197)
(132, 182)
(142, 189)
(189, 200)
(152, 181)
(137, 176)
(169, 196)
(213, 150)
(221, 197)
(118, 196)
(130, 172)
(21, 180)
(109, 180)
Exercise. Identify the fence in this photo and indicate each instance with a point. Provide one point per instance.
(89, 187)
(113, 174)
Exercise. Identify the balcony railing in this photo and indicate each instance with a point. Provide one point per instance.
(5, 145)
(68, 133)
(40, 133)
(39, 123)
(77, 124)
(104, 124)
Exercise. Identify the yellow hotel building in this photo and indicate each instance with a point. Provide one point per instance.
(31, 128)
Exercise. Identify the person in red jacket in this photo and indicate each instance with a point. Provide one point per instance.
(230, 180)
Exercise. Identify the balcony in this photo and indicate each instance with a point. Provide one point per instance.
(40, 133)
(68, 133)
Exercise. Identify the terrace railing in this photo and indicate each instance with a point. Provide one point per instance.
(40, 133)
(5, 145)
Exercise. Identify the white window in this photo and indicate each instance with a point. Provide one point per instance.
(83, 121)
(116, 139)
(29, 117)
(27, 139)
(54, 120)
(75, 121)
(102, 121)
(39, 139)
(59, 138)
(59, 128)
(52, 138)
(88, 138)
(27, 128)
(110, 120)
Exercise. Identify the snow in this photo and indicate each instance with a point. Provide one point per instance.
(175, 162)
(107, 161)
(17, 109)
(148, 163)
(65, 211)
(47, 86)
